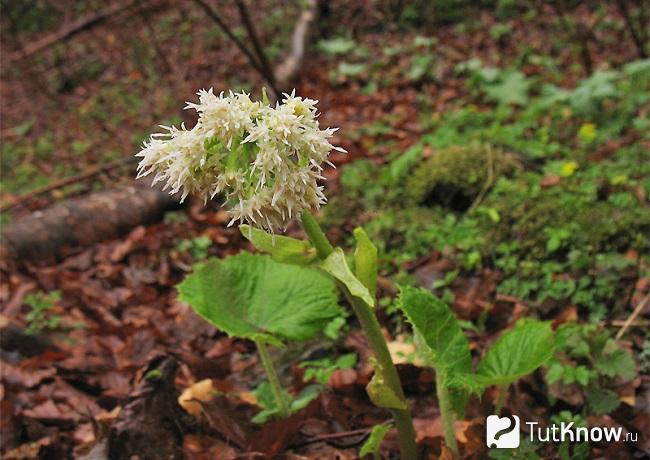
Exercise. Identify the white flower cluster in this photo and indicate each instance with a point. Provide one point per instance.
(265, 160)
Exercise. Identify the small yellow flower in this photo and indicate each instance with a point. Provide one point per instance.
(587, 132)
(569, 168)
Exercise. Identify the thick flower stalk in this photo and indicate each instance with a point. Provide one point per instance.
(264, 160)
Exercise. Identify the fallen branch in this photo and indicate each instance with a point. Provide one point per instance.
(71, 30)
(66, 181)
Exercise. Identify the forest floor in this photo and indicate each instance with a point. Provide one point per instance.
(560, 232)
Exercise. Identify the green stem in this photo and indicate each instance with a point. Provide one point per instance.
(316, 235)
(372, 330)
(273, 379)
(446, 412)
(503, 392)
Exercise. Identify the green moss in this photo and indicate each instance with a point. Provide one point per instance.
(573, 212)
(454, 177)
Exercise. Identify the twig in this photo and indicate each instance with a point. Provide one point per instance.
(363, 432)
(637, 36)
(257, 46)
(65, 33)
(212, 13)
(635, 323)
(488, 182)
(66, 181)
(644, 302)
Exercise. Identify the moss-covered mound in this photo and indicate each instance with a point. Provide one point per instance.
(454, 177)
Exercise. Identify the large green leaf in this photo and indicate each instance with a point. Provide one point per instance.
(337, 266)
(365, 260)
(435, 323)
(512, 88)
(281, 248)
(517, 352)
(439, 337)
(252, 296)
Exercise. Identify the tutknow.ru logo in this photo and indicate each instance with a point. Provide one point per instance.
(504, 433)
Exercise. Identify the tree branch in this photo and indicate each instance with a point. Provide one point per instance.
(257, 46)
(252, 59)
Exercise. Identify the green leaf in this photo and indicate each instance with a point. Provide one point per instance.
(420, 66)
(439, 335)
(372, 444)
(307, 395)
(589, 93)
(617, 363)
(582, 375)
(525, 451)
(251, 296)
(381, 394)
(351, 69)
(517, 352)
(321, 370)
(333, 329)
(281, 248)
(512, 89)
(337, 266)
(602, 401)
(431, 318)
(555, 372)
(365, 260)
(270, 409)
(471, 383)
(337, 45)
(24, 128)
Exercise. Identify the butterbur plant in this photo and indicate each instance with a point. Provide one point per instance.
(443, 345)
(265, 161)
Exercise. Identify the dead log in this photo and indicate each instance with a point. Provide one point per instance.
(44, 236)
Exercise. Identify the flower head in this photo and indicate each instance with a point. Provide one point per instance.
(265, 160)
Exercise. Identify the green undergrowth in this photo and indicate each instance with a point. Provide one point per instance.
(549, 187)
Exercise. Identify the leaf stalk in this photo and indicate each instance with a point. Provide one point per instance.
(272, 375)
(446, 412)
